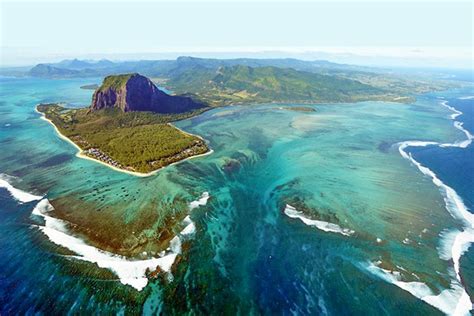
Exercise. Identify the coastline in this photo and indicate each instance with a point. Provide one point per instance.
(80, 153)
(457, 241)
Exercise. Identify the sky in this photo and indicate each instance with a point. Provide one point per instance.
(424, 33)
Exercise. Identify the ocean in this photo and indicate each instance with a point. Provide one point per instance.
(357, 208)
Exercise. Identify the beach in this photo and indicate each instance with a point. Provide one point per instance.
(80, 153)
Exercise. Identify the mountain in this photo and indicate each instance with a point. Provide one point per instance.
(170, 68)
(134, 92)
(73, 64)
(244, 84)
(78, 64)
(104, 63)
(191, 75)
(44, 70)
(297, 64)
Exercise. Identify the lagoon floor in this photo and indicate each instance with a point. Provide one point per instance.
(340, 165)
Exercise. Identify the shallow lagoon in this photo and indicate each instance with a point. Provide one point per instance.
(341, 163)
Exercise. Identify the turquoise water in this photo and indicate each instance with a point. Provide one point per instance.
(340, 164)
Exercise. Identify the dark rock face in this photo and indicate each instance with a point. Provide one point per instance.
(105, 99)
(138, 93)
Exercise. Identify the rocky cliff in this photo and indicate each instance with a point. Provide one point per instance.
(134, 92)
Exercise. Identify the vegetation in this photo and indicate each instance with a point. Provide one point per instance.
(244, 85)
(42, 70)
(143, 141)
(188, 75)
(115, 81)
(135, 141)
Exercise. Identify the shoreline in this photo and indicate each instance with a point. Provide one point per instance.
(80, 153)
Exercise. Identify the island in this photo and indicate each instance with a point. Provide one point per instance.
(128, 125)
(299, 108)
(92, 86)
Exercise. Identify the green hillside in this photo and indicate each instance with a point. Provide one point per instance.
(244, 84)
(115, 81)
(248, 80)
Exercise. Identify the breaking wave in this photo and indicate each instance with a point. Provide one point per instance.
(17, 194)
(454, 301)
(131, 272)
(292, 212)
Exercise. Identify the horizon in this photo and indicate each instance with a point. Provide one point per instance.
(387, 62)
(381, 33)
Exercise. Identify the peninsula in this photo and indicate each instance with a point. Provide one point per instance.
(128, 125)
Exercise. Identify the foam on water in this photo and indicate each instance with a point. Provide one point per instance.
(452, 301)
(17, 194)
(459, 126)
(175, 244)
(131, 272)
(190, 227)
(292, 212)
(458, 241)
(461, 244)
(200, 202)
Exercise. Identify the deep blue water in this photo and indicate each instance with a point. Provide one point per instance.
(455, 167)
(452, 164)
(247, 257)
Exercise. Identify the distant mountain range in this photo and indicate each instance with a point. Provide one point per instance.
(44, 70)
(159, 68)
(84, 64)
(217, 82)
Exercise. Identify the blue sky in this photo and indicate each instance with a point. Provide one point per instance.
(44, 31)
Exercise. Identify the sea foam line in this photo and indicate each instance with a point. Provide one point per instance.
(131, 272)
(292, 212)
(452, 301)
(459, 126)
(17, 194)
(461, 240)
